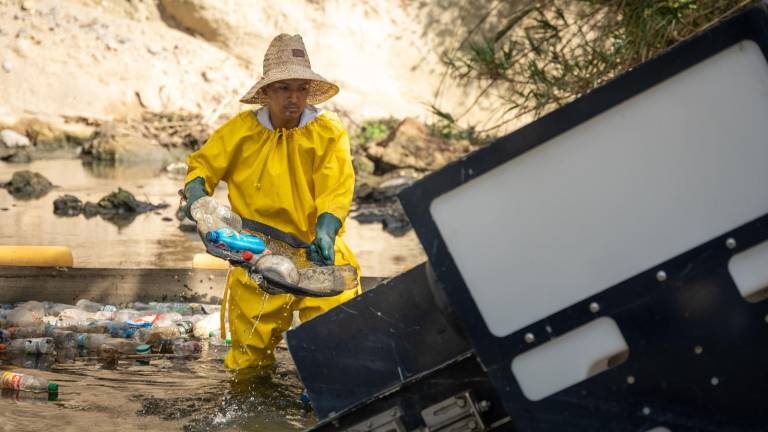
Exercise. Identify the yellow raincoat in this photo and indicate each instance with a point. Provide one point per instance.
(283, 178)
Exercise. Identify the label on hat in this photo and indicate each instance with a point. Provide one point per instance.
(298, 53)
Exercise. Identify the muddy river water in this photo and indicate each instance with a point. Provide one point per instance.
(164, 395)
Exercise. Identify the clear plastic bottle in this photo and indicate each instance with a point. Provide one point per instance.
(211, 323)
(24, 382)
(91, 342)
(75, 315)
(88, 305)
(26, 314)
(211, 215)
(34, 331)
(25, 396)
(31, 346)
(186, 347)
(185, 327)
(122, 346)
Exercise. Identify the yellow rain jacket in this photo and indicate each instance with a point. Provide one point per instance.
(284, 178)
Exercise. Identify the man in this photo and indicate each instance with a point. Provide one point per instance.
(288, 167)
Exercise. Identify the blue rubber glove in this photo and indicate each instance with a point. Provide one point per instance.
(321, 249)
(193, 191)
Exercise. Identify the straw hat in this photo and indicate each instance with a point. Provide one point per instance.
(287, 58)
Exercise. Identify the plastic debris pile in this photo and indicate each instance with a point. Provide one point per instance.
(38, 334)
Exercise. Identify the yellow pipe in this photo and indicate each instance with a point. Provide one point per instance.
(35, 256)
(210, 262)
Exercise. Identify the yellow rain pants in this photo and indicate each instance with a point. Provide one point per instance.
(285, 179)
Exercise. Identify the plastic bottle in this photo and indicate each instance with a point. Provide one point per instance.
(216, 345)
(143, 349)
(31, 346)
(159, 343)
(104, 315)
(123, 346)
(235, 241)
(211, 215)
(211, 323)
(89, 306)
(167, 319)
(34, 331)
(54, 309)
(127, 315)
(26, 314)
(75, 315)
(66, 345)
(23, 396)
(24, 382)
(91, 342)
(186, 347)
(185, 327)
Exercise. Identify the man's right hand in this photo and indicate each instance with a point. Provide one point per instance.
(193, 191)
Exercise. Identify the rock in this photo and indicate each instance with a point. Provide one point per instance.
(50, 134)
(27, 185)
(18, 156)
(363, 165)
(67, 205)
(12, 138)
(392, 217)
(411, 145)
(118, 143)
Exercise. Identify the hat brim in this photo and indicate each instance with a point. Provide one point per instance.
(320, 89)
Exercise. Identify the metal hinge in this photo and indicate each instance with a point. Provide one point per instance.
(388, 421)
(459, 413)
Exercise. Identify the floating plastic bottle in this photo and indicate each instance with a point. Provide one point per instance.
(142, 350)
(209, 324)
(122, 346)
(25, 396)
(34, 331)
(26, 314)
(211, 215)
(31, 346)
(89, 306)
(187, 347)
(91, 342)
(24, 382)
(185, 327)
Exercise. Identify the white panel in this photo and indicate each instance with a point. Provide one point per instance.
(642, 182)
(541, 372)
(749, 270)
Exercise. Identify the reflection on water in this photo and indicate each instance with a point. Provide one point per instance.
(151, 239)
(169, 395)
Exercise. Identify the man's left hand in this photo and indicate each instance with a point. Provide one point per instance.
(321, 251)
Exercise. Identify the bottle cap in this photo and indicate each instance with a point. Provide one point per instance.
(53, 388)
(228, 341)
(143, 349)
(247, 255)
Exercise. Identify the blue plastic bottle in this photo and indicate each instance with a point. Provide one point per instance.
(236, 242)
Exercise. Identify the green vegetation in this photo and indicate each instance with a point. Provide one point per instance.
(526, 58)
(372, 130)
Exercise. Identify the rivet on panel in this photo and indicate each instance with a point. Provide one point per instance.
(730, 243)
(661, 276)
(698, 349)
(530, 338)
(630, 379)
(714, 381)
(594, 307)
(646, 411)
